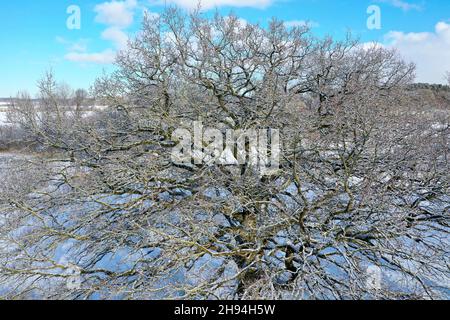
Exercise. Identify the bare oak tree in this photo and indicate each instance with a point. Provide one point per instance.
(358, 208)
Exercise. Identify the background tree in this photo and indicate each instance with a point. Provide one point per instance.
(80, 98)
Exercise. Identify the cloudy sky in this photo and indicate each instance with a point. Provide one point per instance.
(35, 35)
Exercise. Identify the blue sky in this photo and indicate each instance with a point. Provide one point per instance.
(35, 36)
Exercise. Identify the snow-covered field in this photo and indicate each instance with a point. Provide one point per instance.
(4, 109)
(3, 118)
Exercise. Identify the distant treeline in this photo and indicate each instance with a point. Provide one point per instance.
(433, 87)
(87, 102)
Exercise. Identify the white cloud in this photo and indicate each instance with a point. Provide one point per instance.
(301, 23)
(371, 45)
(429, 50)
(405, 6)
(76, 46)
(116, 13)
(210, 4)
(117, 36)
(105, 57)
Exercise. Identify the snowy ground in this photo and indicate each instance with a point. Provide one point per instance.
(88, 112)
(3, 118)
